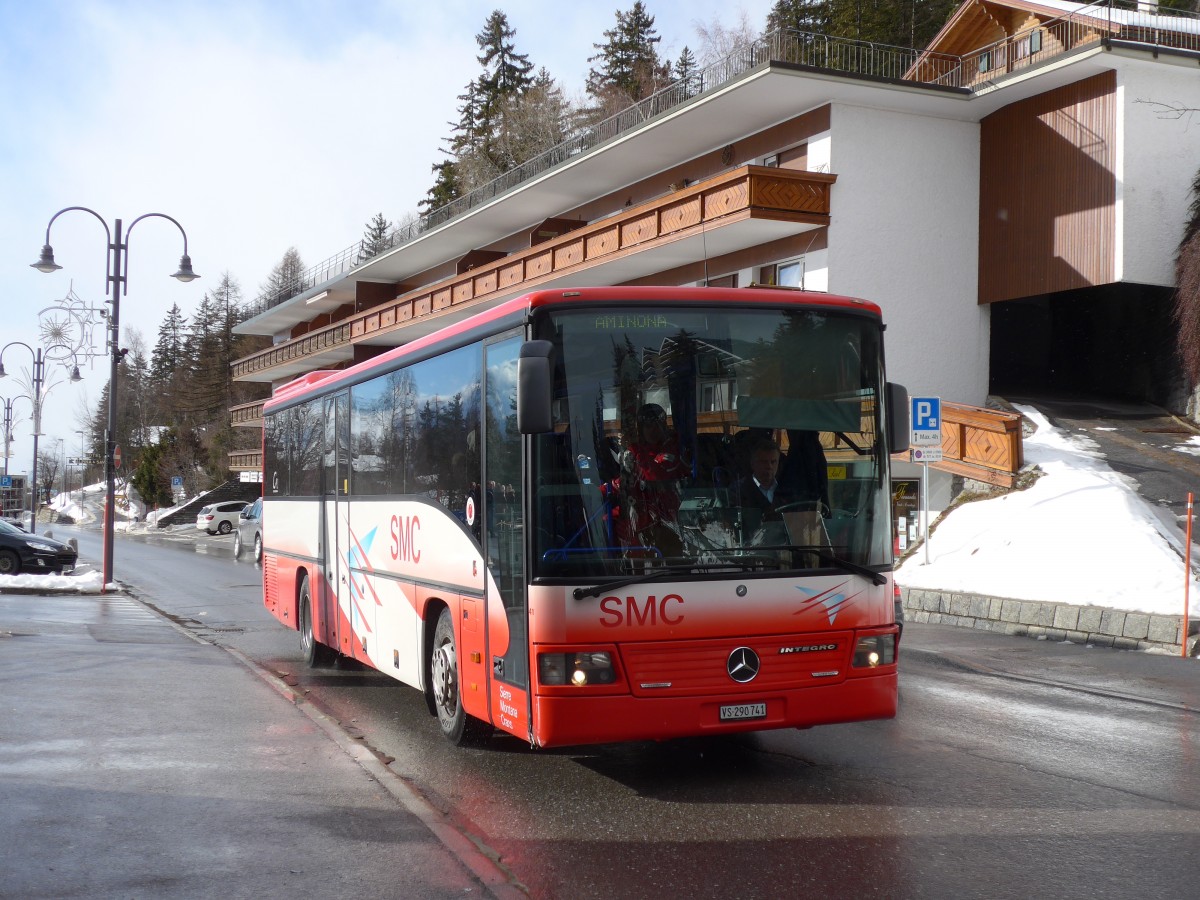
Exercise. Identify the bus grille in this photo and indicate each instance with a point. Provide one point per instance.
(691, 668)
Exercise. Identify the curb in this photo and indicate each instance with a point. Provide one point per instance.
(1097, 625)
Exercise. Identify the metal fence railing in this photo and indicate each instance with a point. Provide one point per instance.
(1132, 21)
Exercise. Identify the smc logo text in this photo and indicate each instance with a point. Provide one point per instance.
(404, 538)
(618, 611)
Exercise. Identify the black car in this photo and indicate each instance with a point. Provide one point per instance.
(21, 551)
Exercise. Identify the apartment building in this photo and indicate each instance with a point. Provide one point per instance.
(1012, 195)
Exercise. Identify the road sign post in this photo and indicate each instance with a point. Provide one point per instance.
(925, 438)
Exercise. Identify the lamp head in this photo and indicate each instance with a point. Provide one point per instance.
(46, 261)
(185, 273)
(75, 376)
(2, 372)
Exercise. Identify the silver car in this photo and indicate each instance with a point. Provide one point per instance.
(249, 531)
(220, 518)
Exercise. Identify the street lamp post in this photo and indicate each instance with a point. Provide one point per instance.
(82, 468)
(8, 423)
(39, 379)
(116, 282)
(62, 462)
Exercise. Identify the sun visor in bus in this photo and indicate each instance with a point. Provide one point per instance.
(533, 388)
(839, 413)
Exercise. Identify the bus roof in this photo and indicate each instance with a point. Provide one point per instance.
(525, 304)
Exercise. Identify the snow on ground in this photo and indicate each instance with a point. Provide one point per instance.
(1080, 534)
(83, 583)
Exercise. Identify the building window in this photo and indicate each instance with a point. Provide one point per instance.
(791, 274)
(1028, 45)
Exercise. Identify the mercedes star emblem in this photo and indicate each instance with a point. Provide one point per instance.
(743, 665)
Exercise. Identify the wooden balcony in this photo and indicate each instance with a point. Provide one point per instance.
(983, 444)
(324, 347)
(247, 415)
(799, 200)
(245, 461)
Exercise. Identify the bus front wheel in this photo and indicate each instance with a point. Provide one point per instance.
(316, 654)
(457, 725)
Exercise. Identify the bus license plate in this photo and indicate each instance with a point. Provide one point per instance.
(743, 711)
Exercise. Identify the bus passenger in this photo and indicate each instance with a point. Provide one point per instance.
(651, 469)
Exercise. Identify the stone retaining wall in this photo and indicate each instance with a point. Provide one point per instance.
(1096, 625)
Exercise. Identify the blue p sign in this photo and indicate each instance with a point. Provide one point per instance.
(927, 414)
(926, 428)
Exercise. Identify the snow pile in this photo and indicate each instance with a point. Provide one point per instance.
(1080, 535)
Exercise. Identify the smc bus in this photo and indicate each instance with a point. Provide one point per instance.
(544, 516)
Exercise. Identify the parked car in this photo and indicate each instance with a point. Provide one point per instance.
(220, 518)
(34, 554)
(249, 531)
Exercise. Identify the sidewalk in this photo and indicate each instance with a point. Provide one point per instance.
(136, 761)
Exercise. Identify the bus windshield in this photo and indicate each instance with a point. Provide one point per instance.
(711, 439)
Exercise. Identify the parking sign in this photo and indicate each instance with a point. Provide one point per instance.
(926, 420)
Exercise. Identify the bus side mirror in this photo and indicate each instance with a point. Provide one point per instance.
(897, 417)
(533, 388)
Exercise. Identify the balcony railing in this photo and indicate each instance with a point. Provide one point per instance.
(247, 414)
(980, 443)
(245, 460)
(314, 342)
(1105, 20)
(755, 192)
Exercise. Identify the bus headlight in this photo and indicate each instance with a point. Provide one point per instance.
(580, 668)
(875, 650)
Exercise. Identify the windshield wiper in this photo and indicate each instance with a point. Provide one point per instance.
(877, 578)
(836, 562)
(652, 574)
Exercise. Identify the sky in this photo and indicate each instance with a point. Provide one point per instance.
(258, 125)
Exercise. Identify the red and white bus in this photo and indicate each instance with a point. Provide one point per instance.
(545, 517)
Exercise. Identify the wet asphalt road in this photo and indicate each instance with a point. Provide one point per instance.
(1016, 768)
(1158, 450)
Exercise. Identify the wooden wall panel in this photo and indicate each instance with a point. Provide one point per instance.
(1047, 197)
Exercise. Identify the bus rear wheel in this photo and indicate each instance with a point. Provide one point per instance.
(316, 654)
(457, 725)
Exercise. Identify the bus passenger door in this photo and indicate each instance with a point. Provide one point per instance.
(503, 539)
(334, 525)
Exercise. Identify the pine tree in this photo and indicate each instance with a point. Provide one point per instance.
(630, 68)
(535, 121)
(446, 186)
(902, 23)
(506, 72)
(167, 356)
(485, 143)
(687, 73)
(800, 15)
(376, 237)
(286, 279)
